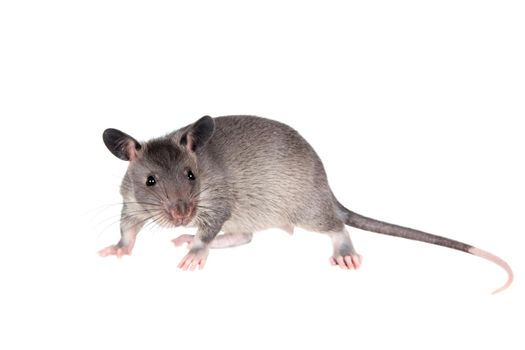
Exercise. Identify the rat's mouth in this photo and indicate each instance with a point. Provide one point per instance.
(181, 222)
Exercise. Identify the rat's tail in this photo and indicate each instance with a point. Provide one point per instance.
(368, 224)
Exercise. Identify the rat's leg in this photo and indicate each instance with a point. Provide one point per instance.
(129, 228)
(226, 240)
(207, 231)
(229, 240)
(344, 253)
(329, 223)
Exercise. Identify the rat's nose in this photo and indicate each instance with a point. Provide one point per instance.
(179, 209)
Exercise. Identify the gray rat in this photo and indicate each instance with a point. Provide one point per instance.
(240, 175)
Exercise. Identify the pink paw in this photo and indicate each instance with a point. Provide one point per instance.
(347, 262)
(183, 239)
(115, 250)
(195, 258)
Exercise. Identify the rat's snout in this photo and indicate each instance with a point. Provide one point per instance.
(179, 209)
(180, 212)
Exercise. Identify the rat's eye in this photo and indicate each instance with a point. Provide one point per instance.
(190, 175)
(150, 181)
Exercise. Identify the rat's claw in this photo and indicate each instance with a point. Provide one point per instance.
(349, 262)
(342, 263)
(357, 260)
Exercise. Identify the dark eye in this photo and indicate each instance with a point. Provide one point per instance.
(151, 181)
(190, 175)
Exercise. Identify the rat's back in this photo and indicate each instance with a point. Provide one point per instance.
(276, 177)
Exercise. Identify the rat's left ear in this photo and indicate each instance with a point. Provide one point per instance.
(198, 134)
(121, 144)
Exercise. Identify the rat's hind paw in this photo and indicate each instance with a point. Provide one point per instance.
(347, 262)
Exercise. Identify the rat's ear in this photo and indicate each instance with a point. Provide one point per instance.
(120, 144)
(197, 134)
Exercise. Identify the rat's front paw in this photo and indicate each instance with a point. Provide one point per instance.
(183, 239)
(116, 249)
(196, 257)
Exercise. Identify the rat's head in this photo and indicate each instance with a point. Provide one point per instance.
(163, 178)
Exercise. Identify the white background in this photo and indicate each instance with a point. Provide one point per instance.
(414, 107)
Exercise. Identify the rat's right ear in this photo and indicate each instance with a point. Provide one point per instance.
(198, 134)
(120, 144)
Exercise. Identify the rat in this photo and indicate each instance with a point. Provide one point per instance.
(240, 175)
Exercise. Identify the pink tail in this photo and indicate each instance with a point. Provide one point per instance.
(497, 260)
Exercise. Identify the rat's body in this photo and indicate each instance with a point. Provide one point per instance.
(239, 175)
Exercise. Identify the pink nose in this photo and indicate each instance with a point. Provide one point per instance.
(180, 210)
(176, 214)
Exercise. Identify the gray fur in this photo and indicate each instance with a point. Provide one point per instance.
(269, 177)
